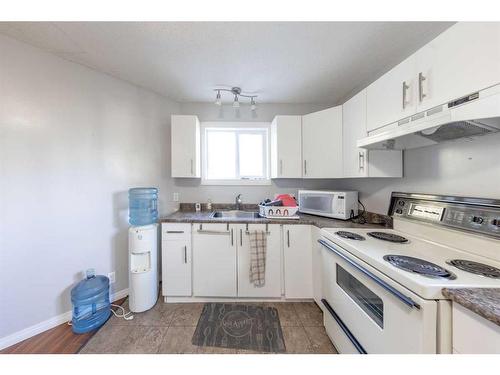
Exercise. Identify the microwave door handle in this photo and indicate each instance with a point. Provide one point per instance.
(405, 299)
(344, 328)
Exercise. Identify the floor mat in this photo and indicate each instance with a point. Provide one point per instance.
(240, 326)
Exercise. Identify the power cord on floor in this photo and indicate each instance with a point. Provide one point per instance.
(123, 314)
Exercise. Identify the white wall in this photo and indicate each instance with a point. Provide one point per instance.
(72, 141)
(190, 190)
(463, 167)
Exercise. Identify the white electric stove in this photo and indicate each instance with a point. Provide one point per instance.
(383, 287)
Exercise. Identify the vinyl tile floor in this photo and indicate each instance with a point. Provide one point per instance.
(168, 328)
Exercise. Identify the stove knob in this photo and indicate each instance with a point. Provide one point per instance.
(495, 223)
(399, 211)
(401, 203)
(477, 219)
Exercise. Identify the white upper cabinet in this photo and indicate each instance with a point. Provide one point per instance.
(462, 60)
(392, 96)
(185, 146)
(354, 128)
(359, 162)
(322, 144)
(286, 147)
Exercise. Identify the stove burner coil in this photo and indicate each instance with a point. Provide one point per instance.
(391, 237)
(349, 235)
(475, 267)
(419, 266)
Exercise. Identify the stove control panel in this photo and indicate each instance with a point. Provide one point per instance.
(463, 215)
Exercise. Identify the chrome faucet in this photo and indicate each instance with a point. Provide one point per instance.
(238, 202)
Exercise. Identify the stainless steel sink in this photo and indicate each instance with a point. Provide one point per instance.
(234, 214)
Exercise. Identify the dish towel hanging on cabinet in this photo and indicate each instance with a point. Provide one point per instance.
(258, 250)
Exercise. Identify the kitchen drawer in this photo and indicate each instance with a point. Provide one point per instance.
(175, 231)
(473, 334)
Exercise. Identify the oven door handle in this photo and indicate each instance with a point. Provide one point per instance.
(344, 328)
(405, 299)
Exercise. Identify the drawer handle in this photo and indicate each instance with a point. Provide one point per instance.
(174, 231)
(406, 300)
(206, 231)
(344, 328)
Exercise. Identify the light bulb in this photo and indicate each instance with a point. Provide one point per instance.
(217, 98)
(253, 105)
(236, 103)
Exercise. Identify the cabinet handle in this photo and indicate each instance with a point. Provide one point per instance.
(361, 157)
(232, 238)
(241, 237)
(185, 254)
(281, 167)
(305, 167)
(421, 80)
(192, 171)
(405, 89)
(288, 238)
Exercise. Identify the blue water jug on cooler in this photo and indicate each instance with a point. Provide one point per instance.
(91, 306)
(143, 206)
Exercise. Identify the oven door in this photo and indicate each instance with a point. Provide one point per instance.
(367, 311)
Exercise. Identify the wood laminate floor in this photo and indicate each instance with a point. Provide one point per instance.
(58, 340)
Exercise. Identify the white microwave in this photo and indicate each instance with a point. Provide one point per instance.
(335, 204)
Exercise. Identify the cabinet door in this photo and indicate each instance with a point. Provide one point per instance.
(297, 255)
(462, 60)
(176, 267)
(272, 286)
(185, 145)
(214, 260)
(317, 266)
(354, 128)
(393, 96)
(322, 144)
(176, 259)
(359, 162)
(286, 147)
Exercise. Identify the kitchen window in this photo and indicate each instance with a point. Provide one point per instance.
(235, 154)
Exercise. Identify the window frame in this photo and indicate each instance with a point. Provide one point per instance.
(244, 127)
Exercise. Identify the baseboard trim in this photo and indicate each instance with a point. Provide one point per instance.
(34, 330)
(170, 299)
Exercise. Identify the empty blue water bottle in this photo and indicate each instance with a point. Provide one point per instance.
(143, 206)
(91, 306)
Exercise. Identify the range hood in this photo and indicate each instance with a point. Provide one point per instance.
(470, 116)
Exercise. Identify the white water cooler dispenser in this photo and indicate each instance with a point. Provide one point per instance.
(143, 267)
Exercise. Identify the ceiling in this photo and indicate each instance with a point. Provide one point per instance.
(283, 62)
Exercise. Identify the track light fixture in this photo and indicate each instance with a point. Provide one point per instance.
(236, 91)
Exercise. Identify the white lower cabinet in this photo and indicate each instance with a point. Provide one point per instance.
(176, 259)
(214, 260)
(317, 268)
(272, 285)
(466, 326)
(297, 257)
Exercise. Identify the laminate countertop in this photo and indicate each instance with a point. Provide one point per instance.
(483, 301)
(320, 222)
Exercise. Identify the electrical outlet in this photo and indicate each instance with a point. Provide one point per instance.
(111, 277)
(175, 197)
